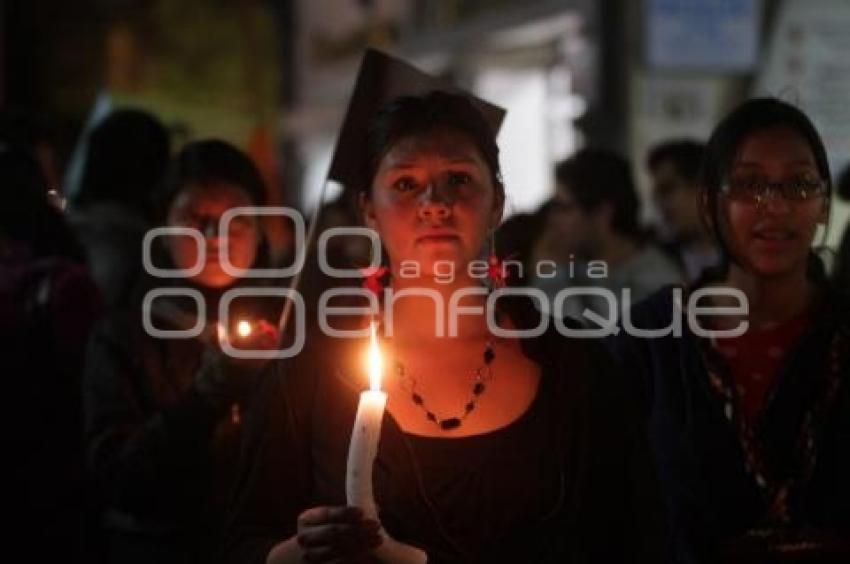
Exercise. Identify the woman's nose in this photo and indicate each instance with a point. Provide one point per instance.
(774, 203)
(434, 204)
(210, 228)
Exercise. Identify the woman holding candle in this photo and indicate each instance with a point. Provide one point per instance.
(163, 415)
(495, 449)
(750, 431)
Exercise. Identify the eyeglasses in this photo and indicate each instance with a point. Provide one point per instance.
(239, 225)
(756, 191)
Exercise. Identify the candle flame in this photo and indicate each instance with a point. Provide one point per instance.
(375, 360)
(243, 329)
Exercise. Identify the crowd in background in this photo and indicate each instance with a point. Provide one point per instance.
(121, 446)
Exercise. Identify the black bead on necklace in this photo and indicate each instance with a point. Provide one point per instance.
(483, 375)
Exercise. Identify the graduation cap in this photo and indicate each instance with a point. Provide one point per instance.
(382, 78)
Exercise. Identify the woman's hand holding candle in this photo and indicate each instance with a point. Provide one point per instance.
(212, 380)
(220, 376)
(249, 335)
(329, 534)
(337, 533)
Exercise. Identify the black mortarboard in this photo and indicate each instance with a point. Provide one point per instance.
(380, 79)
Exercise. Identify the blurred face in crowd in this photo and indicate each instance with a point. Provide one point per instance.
(201, 207)
(433, 199)
(677, 200)
(771, 233)
(575, 228)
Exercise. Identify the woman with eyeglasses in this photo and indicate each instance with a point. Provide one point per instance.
(750, 431)
(163, 415)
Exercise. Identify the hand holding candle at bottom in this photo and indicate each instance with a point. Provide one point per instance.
(362, 451)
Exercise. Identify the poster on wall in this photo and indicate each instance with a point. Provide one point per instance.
(702, 34)
(808, 65)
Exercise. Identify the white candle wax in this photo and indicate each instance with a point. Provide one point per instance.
(362, 451)
(365, 434)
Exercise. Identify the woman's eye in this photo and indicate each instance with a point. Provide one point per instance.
(405, 184)
(805, 180)
(191, 220)
(747, 183)
(459, 178)
(241, 223)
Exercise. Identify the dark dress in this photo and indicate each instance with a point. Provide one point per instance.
(568, 481)
(163, 455)
(716, 489)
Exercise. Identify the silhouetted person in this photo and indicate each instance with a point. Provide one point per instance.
(31, 133)
(127, 156)
(674, 168)
(163, 417)
(515, 242)
(594, 216)
(47, 307)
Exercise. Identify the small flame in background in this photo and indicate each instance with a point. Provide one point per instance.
(375, 362)
(244, 329)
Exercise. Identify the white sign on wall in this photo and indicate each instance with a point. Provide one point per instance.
(808, 64)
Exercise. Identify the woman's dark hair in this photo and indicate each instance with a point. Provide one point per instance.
(208, 162)
(415, 115)
(127, 156)
(755, 115)
(26, 217)
(595, 177)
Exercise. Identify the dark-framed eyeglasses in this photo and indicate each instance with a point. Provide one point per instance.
(757, 191)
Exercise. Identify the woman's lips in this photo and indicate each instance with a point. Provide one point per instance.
(774, 239)
(437, 237)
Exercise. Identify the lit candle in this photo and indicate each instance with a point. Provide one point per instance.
(244, 329)
(361, 457)
(364, 436)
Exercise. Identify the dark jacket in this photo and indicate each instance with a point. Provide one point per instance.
(161, 452)
(712, 498)
(603, 509)
(48, 306)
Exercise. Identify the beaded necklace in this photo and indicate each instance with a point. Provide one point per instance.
(482, 376)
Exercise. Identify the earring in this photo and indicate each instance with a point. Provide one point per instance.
(375, 278)
(495, 268)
